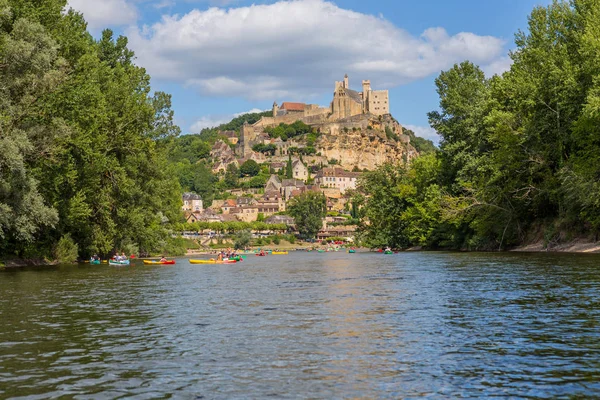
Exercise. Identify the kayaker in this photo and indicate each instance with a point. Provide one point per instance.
(220, 257)
(163, 259)
(123, 256)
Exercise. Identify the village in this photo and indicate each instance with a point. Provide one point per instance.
(268, 204)
(304, 147)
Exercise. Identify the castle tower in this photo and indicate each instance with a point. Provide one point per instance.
(275, 109)
(246, 137)
(346, 84)
(366, 85)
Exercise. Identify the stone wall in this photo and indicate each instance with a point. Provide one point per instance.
(379, 102)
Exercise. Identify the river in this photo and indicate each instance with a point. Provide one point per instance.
(307, 325)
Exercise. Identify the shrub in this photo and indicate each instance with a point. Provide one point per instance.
(66, 251)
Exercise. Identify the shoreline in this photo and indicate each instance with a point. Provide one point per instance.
(577, 246)
(573, 246)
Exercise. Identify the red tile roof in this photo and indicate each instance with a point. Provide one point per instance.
(293, 106)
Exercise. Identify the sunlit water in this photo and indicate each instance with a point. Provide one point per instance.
(307, 325)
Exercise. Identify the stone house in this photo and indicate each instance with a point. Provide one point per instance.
(231, 136)
(280, 219)
(289, 185)
(336, 178)
(246, 213)
(191, 202)
(273, 184)
(299, 170)
(228, 206)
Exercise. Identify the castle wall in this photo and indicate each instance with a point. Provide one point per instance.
(379, 102)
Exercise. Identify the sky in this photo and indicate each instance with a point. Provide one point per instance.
(221, 58)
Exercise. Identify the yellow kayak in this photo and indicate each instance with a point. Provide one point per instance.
(280, 253)
(211, 261)
(151, 262)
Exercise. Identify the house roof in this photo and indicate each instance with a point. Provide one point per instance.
(336, 172)
(286, 105)
(354, 95)
(292, 182)
(191, 196)
(230, 203)
(296, 163)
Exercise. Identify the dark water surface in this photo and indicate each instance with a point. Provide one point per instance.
(307, 325)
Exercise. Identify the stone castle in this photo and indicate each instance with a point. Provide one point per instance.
(346, 103)
(354, 130)
(348, 109)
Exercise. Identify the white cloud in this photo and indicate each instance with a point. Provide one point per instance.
(208, 121)
(100, 14)
(296, 47)
(164, 4)
(498, 67)
(253, 111)
(426, 132)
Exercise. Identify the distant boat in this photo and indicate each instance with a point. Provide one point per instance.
(281, 253)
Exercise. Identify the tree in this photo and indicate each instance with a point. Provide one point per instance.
(242, 239)
(232, 176)
(250, 168)
(308, 210)
(289, 170)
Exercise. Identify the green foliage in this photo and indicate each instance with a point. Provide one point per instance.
(242, 239)
(518, 151)
(265, 148)
(423, 146)
(83, 148)
(308, 210)
(232, 176)
(285, 131)
(250, 168)
(390, 134)
(66, 251)
(289, 171)
(306, 151)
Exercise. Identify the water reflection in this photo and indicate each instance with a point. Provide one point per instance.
(306, 325)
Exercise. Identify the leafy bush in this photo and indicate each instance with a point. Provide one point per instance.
(66, 251)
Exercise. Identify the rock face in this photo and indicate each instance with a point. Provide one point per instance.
(364, 149)
(362, 142)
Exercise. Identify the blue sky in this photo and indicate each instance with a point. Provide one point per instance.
(219, 58)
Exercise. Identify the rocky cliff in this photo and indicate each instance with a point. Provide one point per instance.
(363, 142)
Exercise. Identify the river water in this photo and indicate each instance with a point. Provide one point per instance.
(307, 325)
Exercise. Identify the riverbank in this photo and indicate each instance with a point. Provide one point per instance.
(574, 246)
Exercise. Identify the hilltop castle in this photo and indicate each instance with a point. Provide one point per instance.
(349, 109)
(346, 103)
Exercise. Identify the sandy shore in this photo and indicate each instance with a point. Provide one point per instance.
(575, 246)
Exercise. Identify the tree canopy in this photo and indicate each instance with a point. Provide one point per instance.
(308, 210)
(519, 155)
(81, 153)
